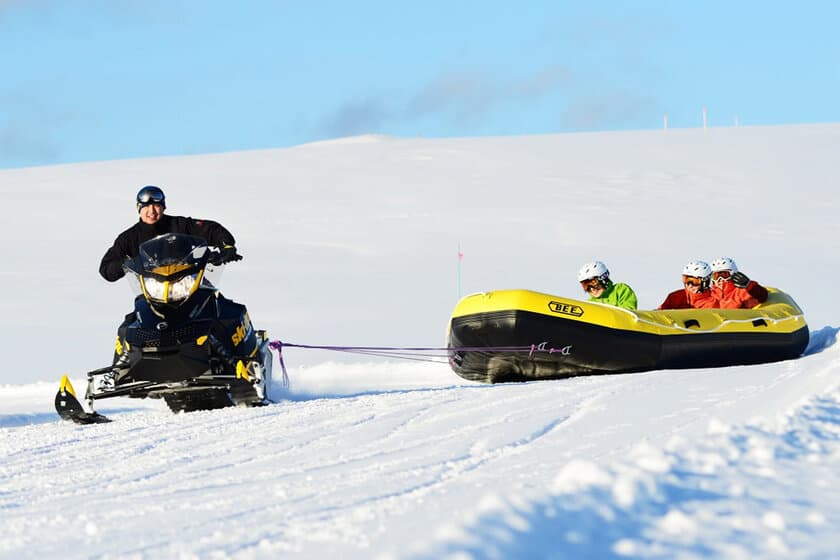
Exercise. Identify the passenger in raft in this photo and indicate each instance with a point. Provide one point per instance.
(595, 280)
(696, 292)
(732, 288)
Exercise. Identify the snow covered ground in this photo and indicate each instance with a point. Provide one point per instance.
(354, 242)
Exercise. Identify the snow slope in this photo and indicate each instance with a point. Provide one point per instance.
(354, 242)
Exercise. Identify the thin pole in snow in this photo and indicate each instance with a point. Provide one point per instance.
(704, 118)
(460, 258)
(665, 121)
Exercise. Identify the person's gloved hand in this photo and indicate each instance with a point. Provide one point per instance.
(228, 254)
(740, 280)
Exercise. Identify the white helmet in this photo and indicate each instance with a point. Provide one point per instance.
(594, 269)
(698, 269)
(724, 263)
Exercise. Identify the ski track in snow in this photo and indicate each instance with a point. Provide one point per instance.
(334, 475)
(715, 499)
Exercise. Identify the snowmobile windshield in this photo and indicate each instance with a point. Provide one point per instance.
(172, 254)
(170, 267)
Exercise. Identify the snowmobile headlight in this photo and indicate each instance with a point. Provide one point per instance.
(171, 291)
(183, 288)
(154, 289)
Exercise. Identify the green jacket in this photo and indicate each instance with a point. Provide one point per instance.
(620, 295)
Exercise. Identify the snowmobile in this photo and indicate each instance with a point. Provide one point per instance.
(184, 342)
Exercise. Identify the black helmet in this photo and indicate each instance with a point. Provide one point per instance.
(150, 194)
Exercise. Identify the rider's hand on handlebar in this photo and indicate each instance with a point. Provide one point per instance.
(228, 254)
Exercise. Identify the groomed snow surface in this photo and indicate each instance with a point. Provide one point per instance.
(383, 459)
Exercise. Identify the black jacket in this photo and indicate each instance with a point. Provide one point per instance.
(127, 244)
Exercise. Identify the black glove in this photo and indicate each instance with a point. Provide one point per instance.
(740, 280)
(227, 254)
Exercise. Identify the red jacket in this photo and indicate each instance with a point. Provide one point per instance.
(683, 299)
(733, 297)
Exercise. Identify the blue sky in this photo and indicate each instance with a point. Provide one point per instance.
(99, 80)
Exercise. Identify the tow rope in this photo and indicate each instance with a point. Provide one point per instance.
(438, 355)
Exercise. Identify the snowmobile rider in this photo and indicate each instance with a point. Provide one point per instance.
(696, 292)
(732, 288)
(595, 280)
(151, 202)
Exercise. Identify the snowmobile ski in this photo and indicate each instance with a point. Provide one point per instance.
(69, 407)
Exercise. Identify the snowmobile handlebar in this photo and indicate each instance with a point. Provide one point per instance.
(223, 255)
(192, 250)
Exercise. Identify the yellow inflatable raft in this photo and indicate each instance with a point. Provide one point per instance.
(520, 335)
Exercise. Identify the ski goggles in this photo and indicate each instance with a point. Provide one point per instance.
(150, 195)
(692, 281)
(591, 284)
(721, 275)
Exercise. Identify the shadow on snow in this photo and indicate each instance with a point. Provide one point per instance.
(34, 418)
(821, 340)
